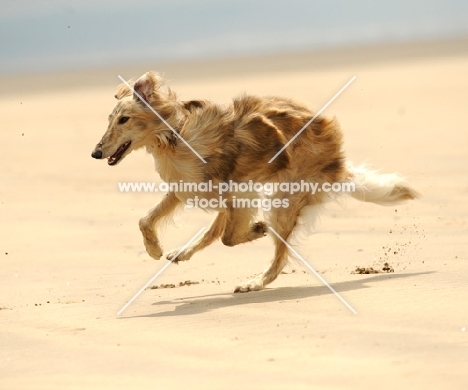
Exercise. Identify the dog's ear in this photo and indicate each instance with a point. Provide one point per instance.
(145, 86)
(122, 91)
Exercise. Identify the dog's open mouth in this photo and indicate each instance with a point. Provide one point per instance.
(115, 158)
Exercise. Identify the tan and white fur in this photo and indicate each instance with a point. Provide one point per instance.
(237, 142)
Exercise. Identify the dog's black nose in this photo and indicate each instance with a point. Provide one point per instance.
(96, 154)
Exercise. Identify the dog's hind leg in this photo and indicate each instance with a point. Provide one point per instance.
(213, 233)
(283, 221)
(239, 228)
(148, 224)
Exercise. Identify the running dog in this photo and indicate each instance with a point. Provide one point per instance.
(199, 141)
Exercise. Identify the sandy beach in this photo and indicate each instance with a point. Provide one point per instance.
(72, 255)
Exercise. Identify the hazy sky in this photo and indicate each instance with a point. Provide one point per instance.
(38, 35)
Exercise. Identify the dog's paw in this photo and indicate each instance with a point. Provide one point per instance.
(153, 248)
(257, 230)
(260, 228)
(182, 256)
(255, 284)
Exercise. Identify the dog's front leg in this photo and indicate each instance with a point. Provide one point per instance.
(214, 232)
(149, 224)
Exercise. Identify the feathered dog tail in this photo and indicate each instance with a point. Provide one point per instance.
(383, 189)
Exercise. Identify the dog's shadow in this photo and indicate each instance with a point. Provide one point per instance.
(204, 303)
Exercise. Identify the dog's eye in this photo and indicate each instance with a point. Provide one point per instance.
(123, 120)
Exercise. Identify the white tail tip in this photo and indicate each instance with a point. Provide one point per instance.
(384, 189)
